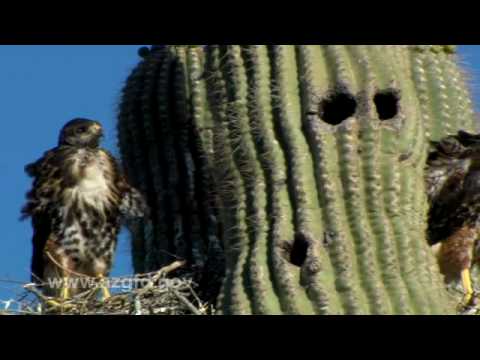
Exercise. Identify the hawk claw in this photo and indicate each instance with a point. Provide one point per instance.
(58, 305)
(64, 296)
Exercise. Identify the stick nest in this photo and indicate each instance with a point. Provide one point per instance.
(159, 294)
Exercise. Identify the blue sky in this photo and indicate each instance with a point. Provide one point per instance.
(41, 88)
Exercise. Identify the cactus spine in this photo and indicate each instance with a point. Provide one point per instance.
(305, 161)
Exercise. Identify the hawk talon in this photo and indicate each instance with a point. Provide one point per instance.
(60, 305)
(64, 296)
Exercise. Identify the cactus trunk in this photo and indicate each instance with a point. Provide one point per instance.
(305, 162)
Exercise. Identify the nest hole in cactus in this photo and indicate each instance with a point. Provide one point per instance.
(296, 253)
(337, 108)
(386, 103)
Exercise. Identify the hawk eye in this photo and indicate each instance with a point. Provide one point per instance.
(81, 130)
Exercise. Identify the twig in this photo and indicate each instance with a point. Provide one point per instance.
(172, 267)
(194, 294)
(187, 303)
(160, 273)
(32, 288)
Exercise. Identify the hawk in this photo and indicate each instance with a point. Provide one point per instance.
(76, 205)
(453, 188)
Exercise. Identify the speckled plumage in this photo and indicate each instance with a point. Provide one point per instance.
(76, 204)
(453, 186)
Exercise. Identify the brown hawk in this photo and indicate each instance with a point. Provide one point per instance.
(78, 200)
(453, 186)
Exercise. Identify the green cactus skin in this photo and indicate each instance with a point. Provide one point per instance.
(317, 215)
(163, 159)
(441, 85)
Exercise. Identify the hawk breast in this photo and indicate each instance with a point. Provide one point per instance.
(94, 178)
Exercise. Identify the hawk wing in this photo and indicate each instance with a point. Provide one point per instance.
(447, 164)
(46, 174)
(133, 205)
(448, 167)
(46, 177)
(132, 202)
(41, 233)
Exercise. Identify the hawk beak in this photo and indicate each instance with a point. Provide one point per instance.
(98, 130)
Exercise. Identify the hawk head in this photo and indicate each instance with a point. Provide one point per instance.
(81, 133)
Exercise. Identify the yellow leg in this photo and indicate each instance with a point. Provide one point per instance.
(64, 296)
(105, 292)
(65, 293)
(467, 285)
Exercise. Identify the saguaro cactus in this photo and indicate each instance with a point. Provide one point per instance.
(307, 163)
(161, 157)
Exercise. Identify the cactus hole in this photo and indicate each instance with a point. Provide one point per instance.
(338, 108)
(387, 105)
(299, 251)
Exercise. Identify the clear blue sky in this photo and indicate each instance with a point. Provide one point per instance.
(41, 88)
